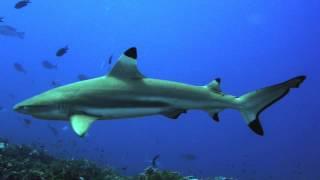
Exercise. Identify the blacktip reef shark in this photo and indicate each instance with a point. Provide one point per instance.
(126, 93)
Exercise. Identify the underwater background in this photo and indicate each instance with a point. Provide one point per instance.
(248, 44)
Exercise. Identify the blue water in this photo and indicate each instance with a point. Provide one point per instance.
(249, 44)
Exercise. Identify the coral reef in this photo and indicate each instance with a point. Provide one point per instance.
(151, 173)
(22, 162)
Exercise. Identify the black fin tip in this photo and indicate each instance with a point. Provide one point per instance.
(218, 80)
(256, 127)
(216, 117)
(132, 53)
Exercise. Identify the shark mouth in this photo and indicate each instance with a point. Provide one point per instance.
(29, 109)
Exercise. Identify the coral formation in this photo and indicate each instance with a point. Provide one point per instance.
(22, 162)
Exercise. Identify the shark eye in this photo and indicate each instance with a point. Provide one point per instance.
(25, 107)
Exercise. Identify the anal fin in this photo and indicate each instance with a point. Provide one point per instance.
(214, 114)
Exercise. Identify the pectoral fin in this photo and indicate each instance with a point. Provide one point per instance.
(81, 123)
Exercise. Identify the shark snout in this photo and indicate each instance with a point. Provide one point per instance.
(16, 107)
(20, 108)
(24, 107)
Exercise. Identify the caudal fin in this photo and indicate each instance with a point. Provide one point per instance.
(253, 103)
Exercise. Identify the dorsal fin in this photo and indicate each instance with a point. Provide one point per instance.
(215, 85)
(126, 67)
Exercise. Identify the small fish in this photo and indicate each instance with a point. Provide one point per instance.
(2, 109)
(55, 83)
(108, 62)
(110, 59)
(1, 19)
(189, 157)
(82, 77)
(62, 51)
(11, 96)
(22, 4)
(27, 122)
(49, 65)
(19, 68)
(53, 130)
(65, 128)
(6, 30)
(124, 168)
(154, 163)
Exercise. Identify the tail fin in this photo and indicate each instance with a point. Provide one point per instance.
(253, 103)
(21, 35)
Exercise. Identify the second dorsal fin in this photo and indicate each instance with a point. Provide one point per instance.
(215, 85)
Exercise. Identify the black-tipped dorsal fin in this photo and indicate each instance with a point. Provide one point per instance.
(126, 67)
(215, 85)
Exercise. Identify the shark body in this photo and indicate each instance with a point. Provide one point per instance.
(126, 93)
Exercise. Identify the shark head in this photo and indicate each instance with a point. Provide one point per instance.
(86, 101)
(48, 105)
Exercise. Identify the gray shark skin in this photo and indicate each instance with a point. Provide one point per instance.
(126, 93)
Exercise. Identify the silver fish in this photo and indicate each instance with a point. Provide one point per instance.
(6, 30)
(49, 65)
